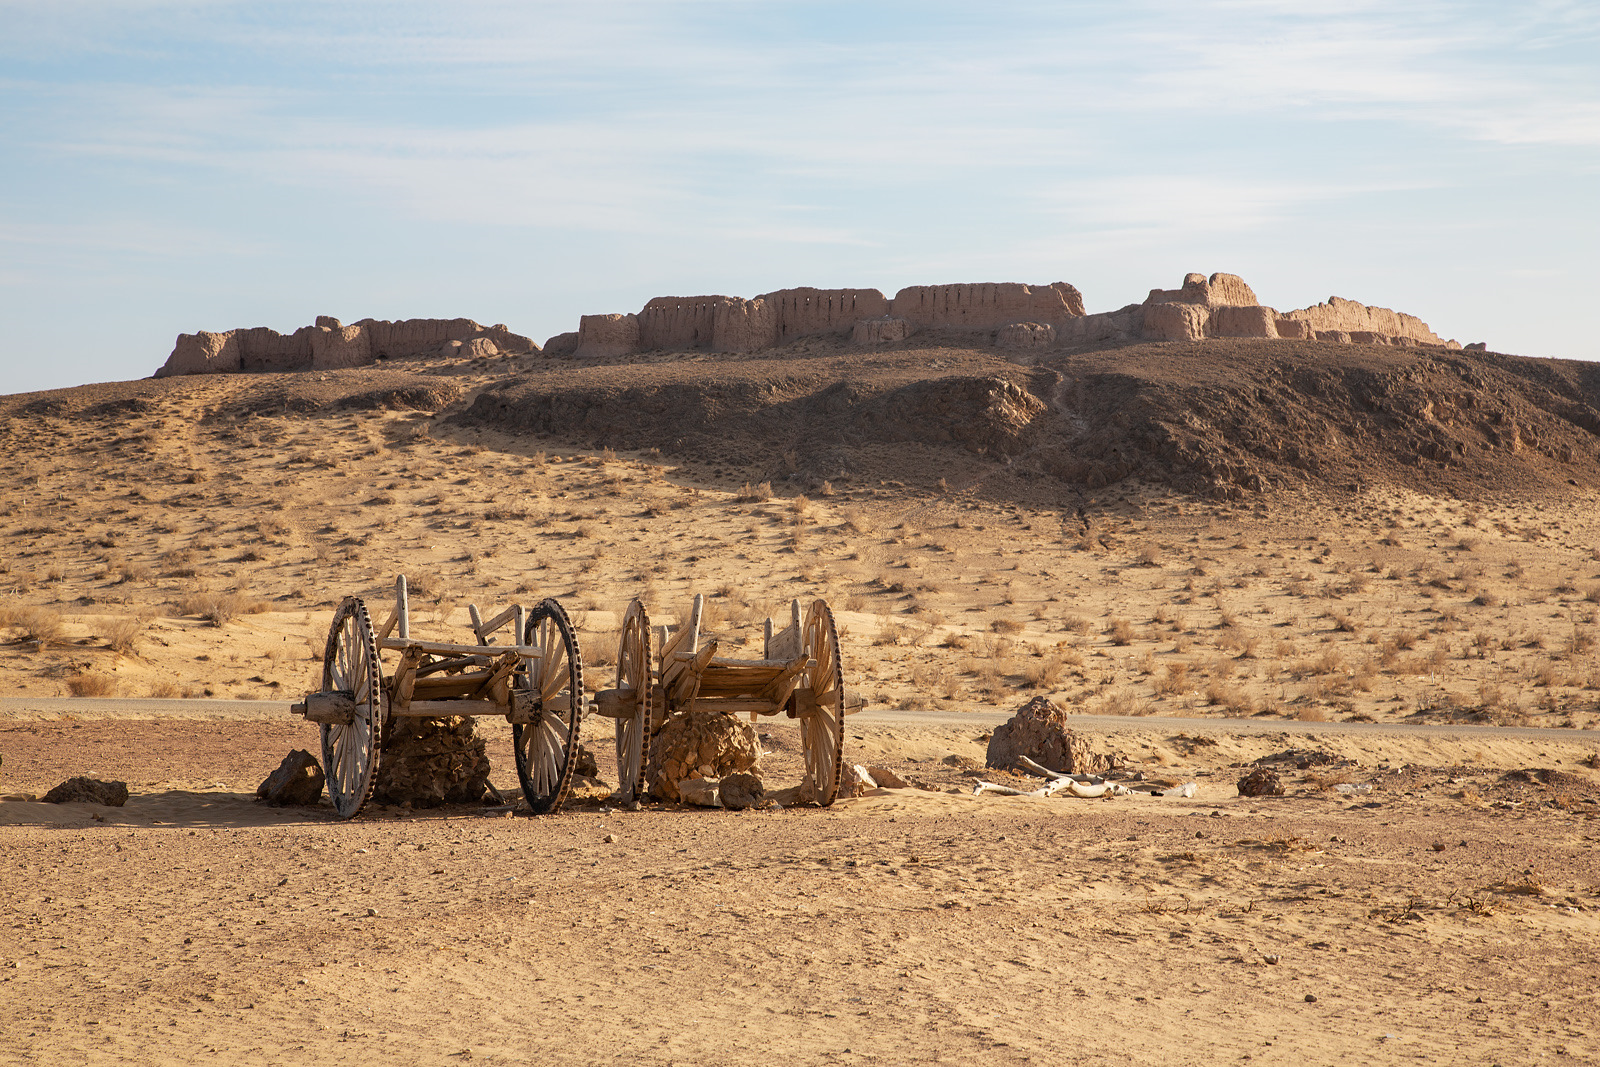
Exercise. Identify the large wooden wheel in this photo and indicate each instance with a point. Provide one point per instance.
(547, 747)
(820, 703)
(350, 666)
(634, 675)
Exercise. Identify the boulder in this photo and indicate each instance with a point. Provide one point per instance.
(297, 781)
(699, 744)
(854, 780)
(741, 790)
(1336, 336)
(1292, 329)
(88, 791)
(1261, 783)
(882, 331)
(1039, 731)
(886, 779)
(701, 792)
(1368, 337)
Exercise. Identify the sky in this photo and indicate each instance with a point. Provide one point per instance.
(168, 167)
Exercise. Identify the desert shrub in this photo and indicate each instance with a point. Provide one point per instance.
(92, 685)
(33, 623)
(218, 609)
(1121, 631)
(122, 635)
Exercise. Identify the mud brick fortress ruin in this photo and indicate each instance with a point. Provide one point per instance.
(1008, 314)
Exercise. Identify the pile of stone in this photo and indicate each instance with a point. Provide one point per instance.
(430, 762)
(1038, 731)
(705, 747)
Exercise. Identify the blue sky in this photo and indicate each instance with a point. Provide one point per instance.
(167, 167)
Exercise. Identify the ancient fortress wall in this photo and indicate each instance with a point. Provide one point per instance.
(1010, 314)
(329, 344)
(987, 306)
(1351, 317)
(805, 311)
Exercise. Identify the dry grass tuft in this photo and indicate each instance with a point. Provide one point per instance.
(33, 623)
(92, 685)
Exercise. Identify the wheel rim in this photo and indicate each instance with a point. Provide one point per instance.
(350, 752)
(546, 748)
(633, 672)
(822, 734)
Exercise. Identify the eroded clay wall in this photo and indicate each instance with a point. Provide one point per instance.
(678, 322)
(987, 305)
(803, 311)
(1348, 316)
(329, 345)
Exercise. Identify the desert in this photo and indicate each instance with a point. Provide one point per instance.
(1364, 562)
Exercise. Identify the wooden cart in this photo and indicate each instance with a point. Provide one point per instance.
(799, 675)
(536, 682)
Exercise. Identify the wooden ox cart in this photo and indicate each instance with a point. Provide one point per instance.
(798, 675)
(535, 681)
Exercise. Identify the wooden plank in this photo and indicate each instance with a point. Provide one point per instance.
(495, 623)
(443, 709)
(736, 705)
(445, 648)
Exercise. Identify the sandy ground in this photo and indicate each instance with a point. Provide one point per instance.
(1448, 915)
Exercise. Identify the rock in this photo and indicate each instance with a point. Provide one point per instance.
(701, 792)
(880, 331)
(1476, 346)
(429, 762)
(1293, 329)
(741, 790)
(88, 791)
(699, 744)
(855, 780)
(1039, 731)
(887, 779)
(297, 781)
(1261, 783)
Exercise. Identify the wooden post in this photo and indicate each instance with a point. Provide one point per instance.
(402, 607)
(477, 623)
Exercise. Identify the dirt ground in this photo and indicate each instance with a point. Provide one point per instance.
(1421, 896)
(1449, 915)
